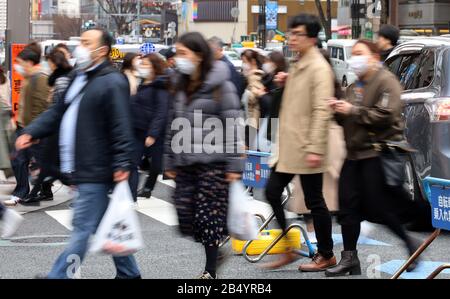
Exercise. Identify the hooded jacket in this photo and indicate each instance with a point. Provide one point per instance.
(190, 123)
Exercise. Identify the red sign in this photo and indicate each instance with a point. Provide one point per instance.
(16, 79)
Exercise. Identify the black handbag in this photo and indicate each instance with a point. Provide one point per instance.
(393, 156)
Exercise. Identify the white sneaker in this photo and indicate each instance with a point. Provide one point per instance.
(11, 222)
(12, 202)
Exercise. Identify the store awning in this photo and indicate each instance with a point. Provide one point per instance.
(342, 30)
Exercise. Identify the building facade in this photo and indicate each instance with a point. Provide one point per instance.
(286, 11)
(226, 19)
(426, 17)
(3, 17)
(70, 8)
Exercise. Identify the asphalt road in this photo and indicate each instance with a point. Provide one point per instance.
(167, 255)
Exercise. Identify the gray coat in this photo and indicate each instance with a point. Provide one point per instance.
(215, 99)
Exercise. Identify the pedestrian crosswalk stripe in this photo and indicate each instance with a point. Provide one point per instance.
(161, 211)
(64, 217)
(170, 183)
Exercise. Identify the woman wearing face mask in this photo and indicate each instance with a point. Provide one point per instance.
(202, 168)
(275, 64)
(252, 64)
(58, 81)
(150, 108)
(130, 67)
(370, 115)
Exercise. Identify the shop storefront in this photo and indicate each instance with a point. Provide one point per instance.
(425, 18)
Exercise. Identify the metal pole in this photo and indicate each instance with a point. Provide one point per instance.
(416, 254)
(139, 20)
(438, 270)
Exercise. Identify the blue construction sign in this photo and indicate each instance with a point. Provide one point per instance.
(438, 191)
(147, 48)
(257, 169)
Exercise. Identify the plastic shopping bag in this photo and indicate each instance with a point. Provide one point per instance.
(119, 232)
(241, 222)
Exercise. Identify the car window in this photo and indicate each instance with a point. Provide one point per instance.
(330, 51)
(340, 54)
(232, 56)
(408, 68)
(333, 52)
(425, 73)
(393, 64)
(348, 52)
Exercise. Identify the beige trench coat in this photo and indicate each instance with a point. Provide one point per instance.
(304, 115)
(336, 157)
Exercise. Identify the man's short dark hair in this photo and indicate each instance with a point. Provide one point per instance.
(216, 41)
(32, 52)
(106, 39)
(391, 33)
(311, 23)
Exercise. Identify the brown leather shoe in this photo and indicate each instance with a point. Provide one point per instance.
(285, 259)
(319, 263)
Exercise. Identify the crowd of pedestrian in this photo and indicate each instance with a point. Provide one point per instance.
(91, 126)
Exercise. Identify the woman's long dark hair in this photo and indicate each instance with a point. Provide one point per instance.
(280, 62)
(2, 76)
(128, 61)
(63, 66)
(252, 55)
(195, 42)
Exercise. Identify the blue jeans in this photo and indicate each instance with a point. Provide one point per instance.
(89, 208)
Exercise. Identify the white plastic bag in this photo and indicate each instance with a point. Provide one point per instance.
(119, 232)
(241, 221)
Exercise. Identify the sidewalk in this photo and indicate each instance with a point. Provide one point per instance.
(61, 193)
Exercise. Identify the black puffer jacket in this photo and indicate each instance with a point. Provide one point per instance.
(104, 137)
(150, 107)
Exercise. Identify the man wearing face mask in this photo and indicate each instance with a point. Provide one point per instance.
(34, 100)
(302, 141)
(95, 144)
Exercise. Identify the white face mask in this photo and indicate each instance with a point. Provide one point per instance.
(268, 68)
(359, 65)
(72, 62)
(83, 57)
(46, 67)
(144, 73)
(137, 63)
(185, 66)
(20, 69)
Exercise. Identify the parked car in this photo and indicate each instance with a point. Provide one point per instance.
(340, 51)
(234, 58)
(423, 68)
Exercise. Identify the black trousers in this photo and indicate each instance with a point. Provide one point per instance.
(312, 188)
(363, 195)
(155, 153)
(20, 165)
(2, 210)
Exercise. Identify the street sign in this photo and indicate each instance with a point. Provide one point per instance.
(440, 206)
(147, 48)
(172, 25)
(16, 79)
(120, 41)
(235, 12)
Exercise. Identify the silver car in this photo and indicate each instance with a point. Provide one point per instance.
(423, 68)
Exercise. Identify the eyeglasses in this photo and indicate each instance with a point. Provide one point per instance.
(291, 34)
